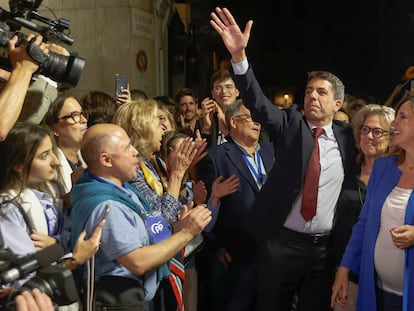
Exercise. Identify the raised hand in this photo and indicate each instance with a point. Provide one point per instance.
(183, 155)
(208, 108)
(124, 97)
(234, 40)
(18, 55)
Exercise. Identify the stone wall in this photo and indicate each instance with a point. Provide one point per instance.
(109, 34)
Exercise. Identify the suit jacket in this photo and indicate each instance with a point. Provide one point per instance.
(226, 160)
(360, 251)
(294, 143)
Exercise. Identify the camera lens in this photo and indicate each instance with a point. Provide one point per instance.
(65, 69)
(56, 282)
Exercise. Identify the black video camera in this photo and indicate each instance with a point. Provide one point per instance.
(60, 68)
(58, 283)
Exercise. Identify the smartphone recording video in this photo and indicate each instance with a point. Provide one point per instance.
(121, 83)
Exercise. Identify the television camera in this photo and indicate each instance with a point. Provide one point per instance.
(16, 275)
(60, 68)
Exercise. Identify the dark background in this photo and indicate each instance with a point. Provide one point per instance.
(368, 44)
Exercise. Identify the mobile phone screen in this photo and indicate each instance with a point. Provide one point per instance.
(121, 83)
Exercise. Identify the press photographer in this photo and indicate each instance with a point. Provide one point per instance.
(60, 68)
(23, 67)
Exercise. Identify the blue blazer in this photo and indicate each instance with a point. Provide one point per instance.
(293, 145)
(226, 160)
(359, 253)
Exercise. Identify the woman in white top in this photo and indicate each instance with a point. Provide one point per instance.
(68, 123)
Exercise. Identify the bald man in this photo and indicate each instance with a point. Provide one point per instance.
(136, 243)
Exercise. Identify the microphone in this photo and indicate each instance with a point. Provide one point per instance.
(27, 264)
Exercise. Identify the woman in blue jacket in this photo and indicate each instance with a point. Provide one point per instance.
(380, 249)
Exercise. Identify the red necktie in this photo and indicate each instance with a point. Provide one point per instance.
(310, 188)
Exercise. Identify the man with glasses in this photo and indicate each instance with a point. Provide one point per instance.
(223, 93)
(232, 266)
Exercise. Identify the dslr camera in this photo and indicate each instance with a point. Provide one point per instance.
(16, 275)
(60, 68)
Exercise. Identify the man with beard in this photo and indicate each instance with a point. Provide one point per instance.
(187, 118)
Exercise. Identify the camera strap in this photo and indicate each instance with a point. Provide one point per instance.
(24, 214)
(36, 53)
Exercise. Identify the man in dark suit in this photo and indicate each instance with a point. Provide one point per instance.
(296, 254)
(233, 266)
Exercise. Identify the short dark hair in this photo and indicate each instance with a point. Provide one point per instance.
(100, 106)
(219, 76)
(337, 85)
(185, 91)
(138, 94)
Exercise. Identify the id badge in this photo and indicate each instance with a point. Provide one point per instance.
(156, 226)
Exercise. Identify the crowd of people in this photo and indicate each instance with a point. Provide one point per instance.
(227, 203)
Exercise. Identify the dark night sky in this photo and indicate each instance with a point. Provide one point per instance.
(368, 44)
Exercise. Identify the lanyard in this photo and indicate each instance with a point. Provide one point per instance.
(140, 197)
(104, 181)
(258, 174)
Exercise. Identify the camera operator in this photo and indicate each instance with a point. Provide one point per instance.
(14, 85)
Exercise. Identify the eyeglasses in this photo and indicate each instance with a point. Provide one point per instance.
(244, 117)
(376, 131)
(75, 116)
(221, 88)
